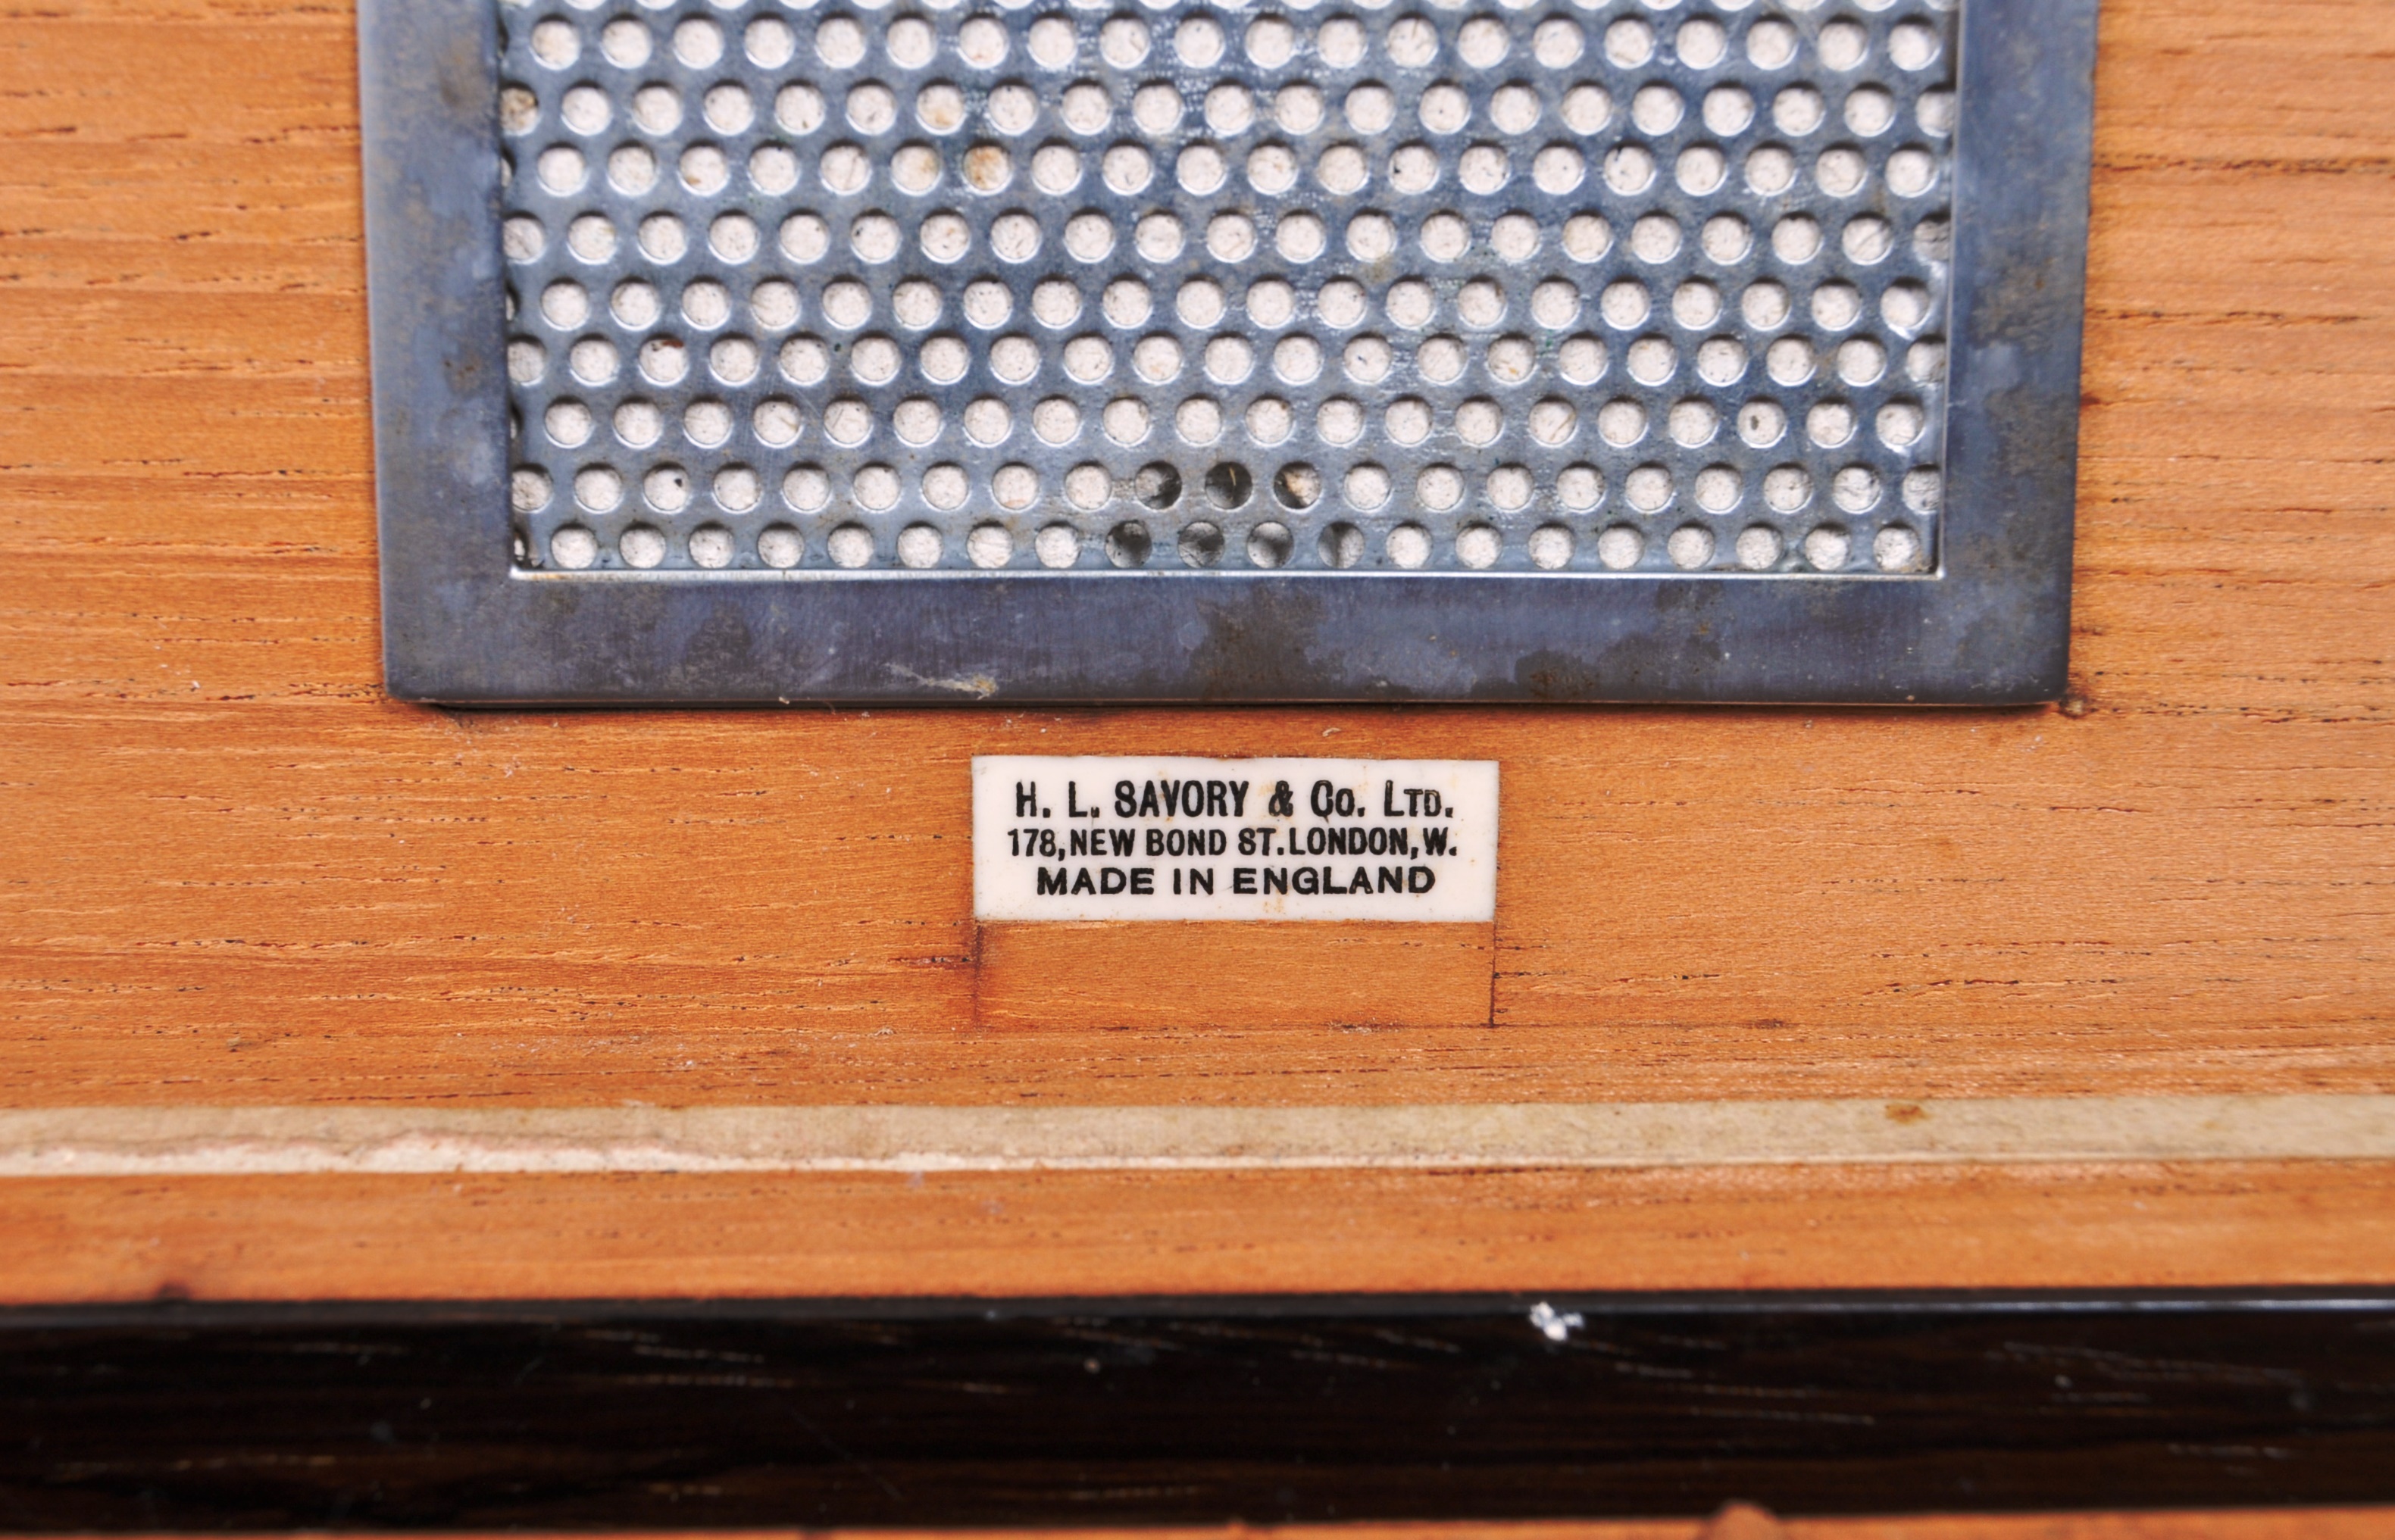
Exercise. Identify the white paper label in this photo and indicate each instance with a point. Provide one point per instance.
(1158, 838)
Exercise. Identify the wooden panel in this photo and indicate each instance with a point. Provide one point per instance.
(1742, 1521)
(1737, 1522)
(2182, 868)
(1022, 1235)
(595, 1415)
(678, 907)
(1230, 975)
(241, 875)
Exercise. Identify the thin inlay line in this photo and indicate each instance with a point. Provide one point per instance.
(133, 1141)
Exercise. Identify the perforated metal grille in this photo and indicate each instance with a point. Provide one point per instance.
(1641, 286)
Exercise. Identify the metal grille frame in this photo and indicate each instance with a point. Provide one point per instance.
(1985, 622)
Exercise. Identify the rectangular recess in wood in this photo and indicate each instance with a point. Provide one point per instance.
(1533, 353)
(1358, 974)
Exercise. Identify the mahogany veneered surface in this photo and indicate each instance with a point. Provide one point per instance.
(238, 874)
(1066, 1234)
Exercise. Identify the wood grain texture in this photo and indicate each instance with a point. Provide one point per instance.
(2249, 1524)
(1741, 1522)
(603, 1415)
(2311, 1523)
(1024, 1234)
(1273, 975)
(257, 878)
(239, 875)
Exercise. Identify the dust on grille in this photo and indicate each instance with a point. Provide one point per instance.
(1636, 286)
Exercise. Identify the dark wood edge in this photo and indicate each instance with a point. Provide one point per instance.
(630, 1415)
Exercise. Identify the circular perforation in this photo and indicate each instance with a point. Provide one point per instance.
(1483, 287)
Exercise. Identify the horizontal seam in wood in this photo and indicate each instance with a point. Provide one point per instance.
(124, 1142)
